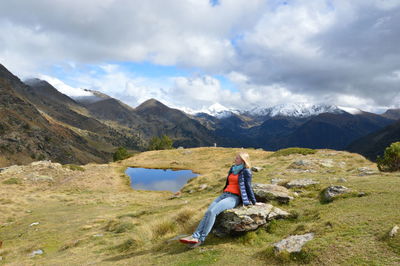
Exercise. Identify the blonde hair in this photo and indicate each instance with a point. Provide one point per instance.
(245, 158)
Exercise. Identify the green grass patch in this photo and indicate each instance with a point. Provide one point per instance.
(118, 227)
(12, 181)
(294, 150)
(128, 244)
(74, 167)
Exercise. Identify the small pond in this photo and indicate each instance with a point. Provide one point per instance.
(158, 179)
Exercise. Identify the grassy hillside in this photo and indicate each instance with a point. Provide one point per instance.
(89, 214)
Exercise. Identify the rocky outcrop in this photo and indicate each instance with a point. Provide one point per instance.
(246, 218)
(300, 183)
(331, 192)
(269, 192)
(293, 243)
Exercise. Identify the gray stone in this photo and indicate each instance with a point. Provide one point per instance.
(268, 192)
(35, 223)
(300, 164)
(326, 163)
(363, 171)
(301, 183)
(37, 252)
(180, 148)
(275, 181)
(41, 178)
(256, 169)
(246, 218)
(333, 191)
(185, 152)
(203, 187)
(342, 180)
(293, 243)
(394, 230)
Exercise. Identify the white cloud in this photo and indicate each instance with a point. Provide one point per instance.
(344, 52)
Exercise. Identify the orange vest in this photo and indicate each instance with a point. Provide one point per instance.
(233, 184)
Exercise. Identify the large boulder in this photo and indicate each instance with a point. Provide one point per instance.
(300, 183)
(268, 192)
(246, 218)
(293, 243)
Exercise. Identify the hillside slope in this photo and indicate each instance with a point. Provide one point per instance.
(90, 215)
(374, 144)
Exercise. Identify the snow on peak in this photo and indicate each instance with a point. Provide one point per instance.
(351, 110)
(294, 110)
(64, 88)
(216, 110)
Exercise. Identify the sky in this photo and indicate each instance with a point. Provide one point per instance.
(191, 54)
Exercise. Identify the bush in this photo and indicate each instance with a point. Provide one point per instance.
(294, 150)
(162, 143)
(12, 181)
(120, 154)
(74, 167)
(390, 161)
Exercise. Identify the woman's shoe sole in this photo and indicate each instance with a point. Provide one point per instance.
(188, 241)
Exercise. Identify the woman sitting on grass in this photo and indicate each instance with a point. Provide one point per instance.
(237, 190)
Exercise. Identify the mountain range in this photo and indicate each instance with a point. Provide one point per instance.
(39, 122)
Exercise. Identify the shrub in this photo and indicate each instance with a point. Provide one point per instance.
(74, 167)
(164, 228)
(12, 181)
(294, 150)
(162, 143)
(390, 161)
(120, 154)
(118, 227)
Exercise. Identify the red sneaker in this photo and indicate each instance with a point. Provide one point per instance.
(189, 240)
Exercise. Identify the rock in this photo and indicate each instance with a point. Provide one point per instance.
(246, 218)
(259, 149)
(185, 152)
(180, 148)
(35, 223)
(361, 194)
(363, 171)
(301, 183)
(394, 230)
(326, 163)
(268, 192)
(301, 165)
(41, 178)
(275, 181)
(37, 252)
(203, 186)
(332, 192)
(256, 169)
(98, 235)
(293, 243)
(342, 180)
(176, 195)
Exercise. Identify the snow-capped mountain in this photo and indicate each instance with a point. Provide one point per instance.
(216, 110)
(299, 110)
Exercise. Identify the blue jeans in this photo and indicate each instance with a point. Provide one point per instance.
(220, 204)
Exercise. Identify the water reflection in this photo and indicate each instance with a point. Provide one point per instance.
(158, 179)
